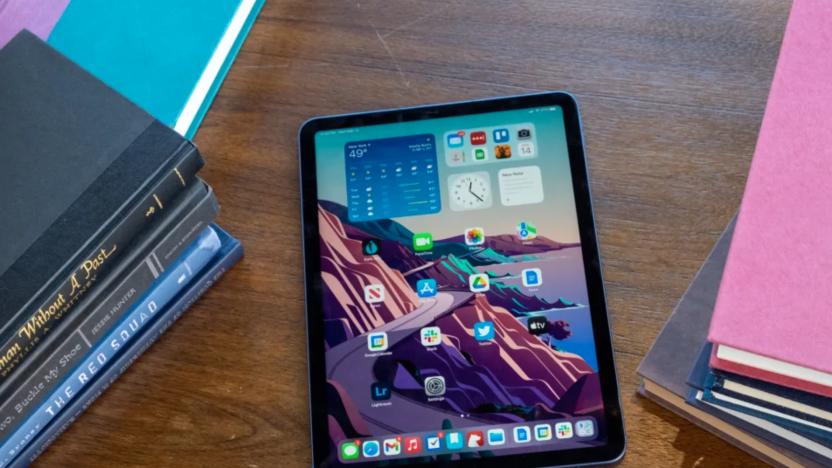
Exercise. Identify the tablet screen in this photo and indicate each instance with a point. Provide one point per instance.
(455, 302)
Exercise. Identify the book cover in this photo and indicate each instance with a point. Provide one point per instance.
(83, 172)
(62, 349)
(168, 56)
(665, 368)
(230, 253)
(771, 319)
(161, 293)
(38, 16)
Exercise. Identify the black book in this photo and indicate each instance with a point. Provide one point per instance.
(82, 172)
(114, 296)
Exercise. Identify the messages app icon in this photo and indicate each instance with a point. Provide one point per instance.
(484, 331)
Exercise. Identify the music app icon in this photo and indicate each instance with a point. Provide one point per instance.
(412, 444)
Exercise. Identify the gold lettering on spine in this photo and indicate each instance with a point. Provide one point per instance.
(61, 303)
(181, 179)
(9, 355)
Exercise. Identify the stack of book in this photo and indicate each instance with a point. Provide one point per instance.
(106, 238)
(747, 353)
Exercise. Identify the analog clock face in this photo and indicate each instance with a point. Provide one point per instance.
(470, 191)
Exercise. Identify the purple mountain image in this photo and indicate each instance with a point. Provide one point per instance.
(515, 376)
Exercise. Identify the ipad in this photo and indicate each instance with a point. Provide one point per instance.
(454, 300)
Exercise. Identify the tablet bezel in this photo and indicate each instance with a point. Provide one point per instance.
(614, 449)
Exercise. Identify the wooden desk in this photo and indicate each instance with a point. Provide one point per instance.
(672, 95)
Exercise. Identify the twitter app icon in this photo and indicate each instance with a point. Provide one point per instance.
(484, 331)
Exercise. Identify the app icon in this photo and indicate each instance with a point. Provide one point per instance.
(426, 287)
(479, 154)
(536, 325)
(435, 386)
(526, 231)
(502, 151)
(412, 445)
(433, 442)
(371, 246)
(380, 391)
(501, 135)
(377, 341)
(479, 282)
(525, 149)
(455, 157)
(474, 439)
(484, 331)
(585, 428)
(349, 450)
(431, 336)
(393, 446)
(522, 434)
(563, 430)
(524, 134)
(422, 241)
(532, 277)
(474, 236)
(543, 432)
(374, 293)
(478, 138)
(455, 140)
(371, 448)
(496, 437)
(454, 441)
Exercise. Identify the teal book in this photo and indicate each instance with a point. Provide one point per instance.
(167, 56)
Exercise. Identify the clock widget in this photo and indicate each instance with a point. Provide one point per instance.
(469, 191)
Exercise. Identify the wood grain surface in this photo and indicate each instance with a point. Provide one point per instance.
(672, 95)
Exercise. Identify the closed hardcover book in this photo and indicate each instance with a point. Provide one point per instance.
(97, 313)
(815, 451)
(802, 412)
(170, 57)
(83, 172)
(229, 254)
(665, 368)
(162, 292)
(771, 319)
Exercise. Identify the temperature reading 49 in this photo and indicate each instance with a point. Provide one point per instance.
(356, 153)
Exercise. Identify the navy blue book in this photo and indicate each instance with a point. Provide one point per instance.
(162, 292)
(805, 413)
(230, 252)
(701, 381)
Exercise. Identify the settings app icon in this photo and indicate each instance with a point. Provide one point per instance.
(435, 386)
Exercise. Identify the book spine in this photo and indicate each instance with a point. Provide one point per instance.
(84, 400)
(19, 397)
(163, 291)
(61, 300)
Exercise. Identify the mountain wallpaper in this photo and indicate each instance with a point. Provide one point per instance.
(515, 377)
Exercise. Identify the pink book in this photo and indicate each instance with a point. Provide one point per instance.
(773, 316)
